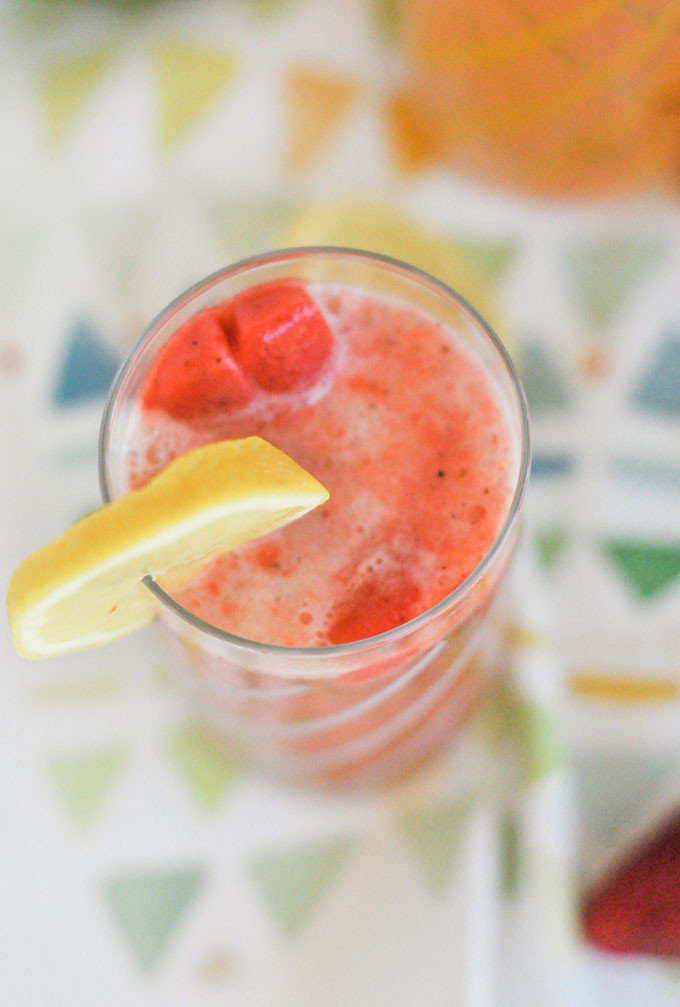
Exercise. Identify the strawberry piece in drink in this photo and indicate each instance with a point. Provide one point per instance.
(196, 374)
(279, 335)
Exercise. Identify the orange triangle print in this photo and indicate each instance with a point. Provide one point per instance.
(412, 146)
(316, 104)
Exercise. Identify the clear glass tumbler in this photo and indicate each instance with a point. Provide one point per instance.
(353, 713)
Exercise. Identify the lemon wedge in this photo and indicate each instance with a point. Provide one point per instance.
(85, 588)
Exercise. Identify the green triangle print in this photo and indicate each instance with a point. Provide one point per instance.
(205, 767)
(544, 386)
(530, 729)
(190, 79)
(248, 226)
(647, 568)
(148, 906)
(542, 752)
(83, 780)
(659, 390)
(604, 273)
(66, 87)
(550, 546)
(489, 260)
(510, 853)
(433, 833)
(294, 881)
(87, 369)
(266, 8)
(388, 18)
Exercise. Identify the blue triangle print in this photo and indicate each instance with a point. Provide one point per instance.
(659, 390)
(547, 465)
(88, 367)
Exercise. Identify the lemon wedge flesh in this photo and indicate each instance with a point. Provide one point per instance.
(85, 588)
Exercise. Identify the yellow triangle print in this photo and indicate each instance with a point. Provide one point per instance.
(316, 103)
(189, 80)
(66, 86)
(378, 227)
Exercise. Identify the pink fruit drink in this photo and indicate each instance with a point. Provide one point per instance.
(407, 428)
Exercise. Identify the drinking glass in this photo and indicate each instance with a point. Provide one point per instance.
(352, 713)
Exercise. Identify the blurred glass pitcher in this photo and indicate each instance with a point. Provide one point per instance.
(555, 97)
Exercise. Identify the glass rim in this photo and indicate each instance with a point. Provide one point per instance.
(465, 586)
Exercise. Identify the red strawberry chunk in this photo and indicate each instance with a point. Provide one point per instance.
(374, 606)
(637, 909)
(279, 335)
(195, 373)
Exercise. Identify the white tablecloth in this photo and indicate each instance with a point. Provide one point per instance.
(147, 145)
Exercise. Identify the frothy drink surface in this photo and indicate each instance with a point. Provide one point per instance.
(405, 428)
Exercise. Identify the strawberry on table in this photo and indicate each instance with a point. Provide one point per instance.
(637, 909)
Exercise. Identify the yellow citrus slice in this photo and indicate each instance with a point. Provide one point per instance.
(85, 588)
